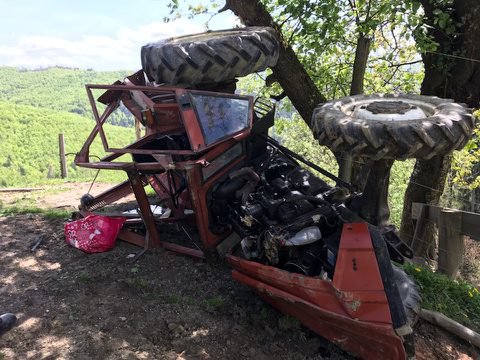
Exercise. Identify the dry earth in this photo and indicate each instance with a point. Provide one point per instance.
(76, 306)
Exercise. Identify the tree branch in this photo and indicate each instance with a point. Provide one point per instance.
(451, 326)
(225, 7)
(289, 72)
(369, 5)
(404, 64)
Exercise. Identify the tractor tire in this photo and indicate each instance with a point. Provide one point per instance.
(210, 57)
(441, 127)
(409, 294)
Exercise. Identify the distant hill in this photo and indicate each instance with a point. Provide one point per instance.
(60, 89)
(35, 106)
(29, 144)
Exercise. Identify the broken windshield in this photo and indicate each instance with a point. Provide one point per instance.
(221, 116)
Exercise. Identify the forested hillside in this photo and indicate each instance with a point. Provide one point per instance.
(35, 106)
(60, 89)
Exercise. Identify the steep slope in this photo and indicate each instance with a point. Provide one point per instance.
(60, 89)
(29, 144)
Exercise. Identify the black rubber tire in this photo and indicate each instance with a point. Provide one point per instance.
(448, 128)
(86, 200)
(211, 57)
(409, 294)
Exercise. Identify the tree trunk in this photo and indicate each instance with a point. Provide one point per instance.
(455, 77)
(425, 186)
(289, 72)
(349, 170)
(360, 64)
(450, 77)
(295, 81)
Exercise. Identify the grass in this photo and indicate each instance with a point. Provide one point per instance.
(172, 299)
(215, 302)
(22, 210)
(456, 299)
(261, 316)
(138, 283)
(287, 322)
(83, 278)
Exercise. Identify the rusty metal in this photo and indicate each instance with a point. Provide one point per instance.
(108, 197)
(161, 119)
(353, 309)
(152, 239)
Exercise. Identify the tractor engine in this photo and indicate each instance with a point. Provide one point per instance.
(283, 213)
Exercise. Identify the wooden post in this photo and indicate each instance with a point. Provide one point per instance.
(63, 161)
(451, 243)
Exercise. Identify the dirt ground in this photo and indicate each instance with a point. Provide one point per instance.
(76, 306)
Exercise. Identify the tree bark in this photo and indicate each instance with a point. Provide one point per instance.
(360, 64)
(425, 186)
(454, 77)
(349, 170)
(451, 326)
(448, 76)
(289, 72)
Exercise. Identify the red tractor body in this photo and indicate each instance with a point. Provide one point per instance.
(208, 158)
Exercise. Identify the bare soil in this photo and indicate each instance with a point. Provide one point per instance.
(76, 306)
(63, 196)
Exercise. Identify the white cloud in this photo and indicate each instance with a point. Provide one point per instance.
(100, 52)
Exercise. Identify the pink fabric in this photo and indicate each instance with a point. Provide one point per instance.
(94, 233)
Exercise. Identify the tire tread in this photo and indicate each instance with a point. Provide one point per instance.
(448, 129)
(211, 57)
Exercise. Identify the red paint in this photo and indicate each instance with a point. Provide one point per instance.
(350, 311)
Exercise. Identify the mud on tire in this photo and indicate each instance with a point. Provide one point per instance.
(447, 127)
(210, 57)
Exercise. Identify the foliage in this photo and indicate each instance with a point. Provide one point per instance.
(216, 302)
(29, 144)
(60, 89)
(458, 300)
(399, 177)
(465, 165)
(295, 135)
(463, 184)
(324, 36)
(37, 105)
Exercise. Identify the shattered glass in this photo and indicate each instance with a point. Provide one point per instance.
(221, 116)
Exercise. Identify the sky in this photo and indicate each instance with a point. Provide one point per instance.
(96, 34)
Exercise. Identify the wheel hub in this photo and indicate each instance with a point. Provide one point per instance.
(385, 110)
(388, 107)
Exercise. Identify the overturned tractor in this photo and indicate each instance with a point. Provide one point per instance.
(302, 244)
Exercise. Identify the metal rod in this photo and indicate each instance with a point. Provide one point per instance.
(98, 120)
(152, 239)
(289, 152)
